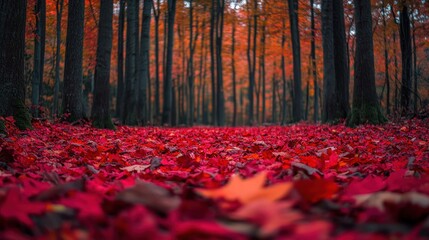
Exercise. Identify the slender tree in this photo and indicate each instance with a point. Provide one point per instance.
(213, 61)
(168, 81)
(73, 75)
(386, 58)
(234, 75)
(101, 105)
(143, 100)
(219, 73)
(313, 63)
(406, 53)
(296, 53)
(120, 59)
(12, 47)
(59, 13)
(366, 108)
(129, 114)
(39, 55)
(283, 69)
(157, 15)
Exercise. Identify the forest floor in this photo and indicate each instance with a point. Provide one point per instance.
(302, 182)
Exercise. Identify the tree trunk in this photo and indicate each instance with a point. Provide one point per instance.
(330, 107)
(59, 12)
(101, 105)
(283, 68)
(386, 61)
(39, 58)
(313, 64)
(296, 52)
(219, 38)
(366, 108)
(129, 114)
(120, 67)
(342, 72)
(213, 61)
(263, 48)
(73, 77)
(157, 14)
(12, 48)
(234, 80)
(415, 72)
(405, 40)
(143, 100)
(168, 83)
(273, 95)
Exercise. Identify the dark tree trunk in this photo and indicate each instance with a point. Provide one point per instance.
(39, 56)
(415, 72)
(273, 95)
(330, 107)
(251, 57)
(120, 67)
(143, 100)
(157, 14)
(129, 114)
(213, 61)
(59, 12)
(234, 80)
(168, 83)
(101, 105)
(366, 108)
(405, 39)
(12, 47)
(313, 64)
(283, 69)
(341, 60)
(263, 48)
(386, 61)
(296, 51)
(73, 77)
(219, 38)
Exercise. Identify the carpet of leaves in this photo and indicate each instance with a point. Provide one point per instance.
(302, 182)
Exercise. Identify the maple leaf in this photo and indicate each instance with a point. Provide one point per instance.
(15, 206)
(248, 190)
(270, 216)
(316, 190)
(137, 168)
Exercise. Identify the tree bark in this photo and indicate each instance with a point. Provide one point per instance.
(386, 61)
(129, 114)
(59, 12)
(219, 69)
(406, 52)
(168, 83)
(39, 56)
(366, 108)
(283, 69)
(313, 63)
(73, 76)
(233, 72)
(157, 14)
(143, 100)
(101, 105)
(213, 61)
(12, 47)
(296, 52)
(120, 67)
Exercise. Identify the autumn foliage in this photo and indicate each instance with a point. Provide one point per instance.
(301, 182)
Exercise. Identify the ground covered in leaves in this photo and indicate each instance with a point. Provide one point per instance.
(303, 182)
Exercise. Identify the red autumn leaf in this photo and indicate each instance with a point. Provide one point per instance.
(315, 190)
(16, 206)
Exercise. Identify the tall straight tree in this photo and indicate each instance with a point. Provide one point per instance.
(129, 111)
(120, 56)
(296, 53)
(313, 63)
(213, 60)
(336, 71)
(233, 72)
(101, 107)
(406, 53)
(366, 108)
(39, 55)
(157, 15)
(143, 100)
(386, 58)
(12, 46)
(59, 13)
(168, 81)
(219, 73)
(73, 77)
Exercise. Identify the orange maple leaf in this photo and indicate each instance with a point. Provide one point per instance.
(248, 190)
